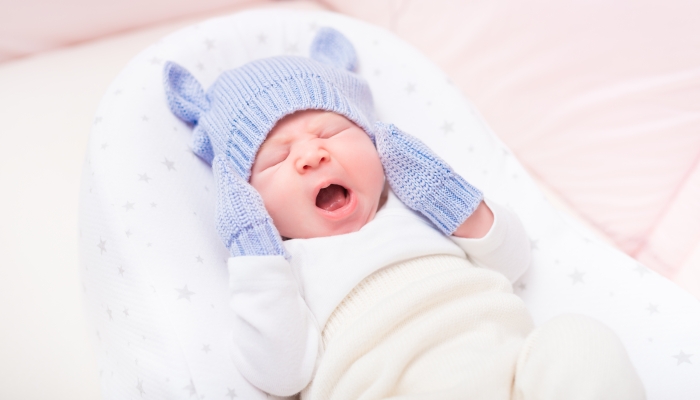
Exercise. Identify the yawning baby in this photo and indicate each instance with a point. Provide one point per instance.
(395, 278)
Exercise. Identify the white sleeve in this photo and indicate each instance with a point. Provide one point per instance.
(505, 248)
(275, 337)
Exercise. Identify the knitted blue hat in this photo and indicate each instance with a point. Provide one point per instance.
(240, 108)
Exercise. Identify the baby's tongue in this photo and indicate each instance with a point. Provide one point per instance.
(331, 198)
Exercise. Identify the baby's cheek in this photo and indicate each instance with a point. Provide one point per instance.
(287, 210)
(373, 169)
(364, 157)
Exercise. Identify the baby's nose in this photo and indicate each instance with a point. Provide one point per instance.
(310, 157)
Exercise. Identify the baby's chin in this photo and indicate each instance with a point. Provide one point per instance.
(324, 231)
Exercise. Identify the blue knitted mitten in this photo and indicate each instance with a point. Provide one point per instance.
(423, 181)
(241, 219)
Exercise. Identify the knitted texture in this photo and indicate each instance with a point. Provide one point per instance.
(241, 219)
(423, 181)
(331, 47)
(237, 112)
(190, 103)
(384, 283)
(432, 338)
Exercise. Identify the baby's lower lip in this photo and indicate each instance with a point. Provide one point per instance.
(343, 211)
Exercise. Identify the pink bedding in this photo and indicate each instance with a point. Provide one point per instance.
(33, 26)
(600, 100)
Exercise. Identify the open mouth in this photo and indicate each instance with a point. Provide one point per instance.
(332, 197)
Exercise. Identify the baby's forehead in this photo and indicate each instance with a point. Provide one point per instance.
(310, 119)
(306, 121)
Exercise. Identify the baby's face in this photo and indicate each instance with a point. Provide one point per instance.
(319, 175)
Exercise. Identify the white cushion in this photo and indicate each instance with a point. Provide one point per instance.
(156, 277)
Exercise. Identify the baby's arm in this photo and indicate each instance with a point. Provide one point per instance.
(489, 234)
(477, 225)
(275, 337)
(496, 239)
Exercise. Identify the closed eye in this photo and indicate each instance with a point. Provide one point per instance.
(330, 133)
(269, 158)
(278, 157)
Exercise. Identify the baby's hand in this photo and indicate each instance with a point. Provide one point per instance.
(241, 218)
(423, 181)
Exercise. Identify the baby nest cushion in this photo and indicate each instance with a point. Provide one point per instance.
(154, 269)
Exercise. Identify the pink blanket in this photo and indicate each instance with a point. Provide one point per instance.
(600, 100)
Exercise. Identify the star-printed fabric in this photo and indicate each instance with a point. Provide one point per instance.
(154, 269)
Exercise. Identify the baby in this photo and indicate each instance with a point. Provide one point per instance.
(395, 280)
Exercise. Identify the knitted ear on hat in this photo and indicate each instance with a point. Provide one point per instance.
(185, 95)
(331, 47)
(188, 102)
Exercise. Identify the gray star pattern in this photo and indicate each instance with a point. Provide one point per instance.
(144, 177)
(200, 259)
(653, 308)
(126, 312)
(128, 206)
(128, 233)
(102, 245)
(231, 393)
(533, 244)
(169, 164)
(109, 312)
(447, 127)
(155, 60)
(139, 387)
(144, 118)
(104, 146)
(292, 48)
(184, 293)
(410, 88)
(262, 38)
(206, 348)
(191, 388)
(121, 271)
(683, 358)
(576, 277)
(210, 44)
(642, 270)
